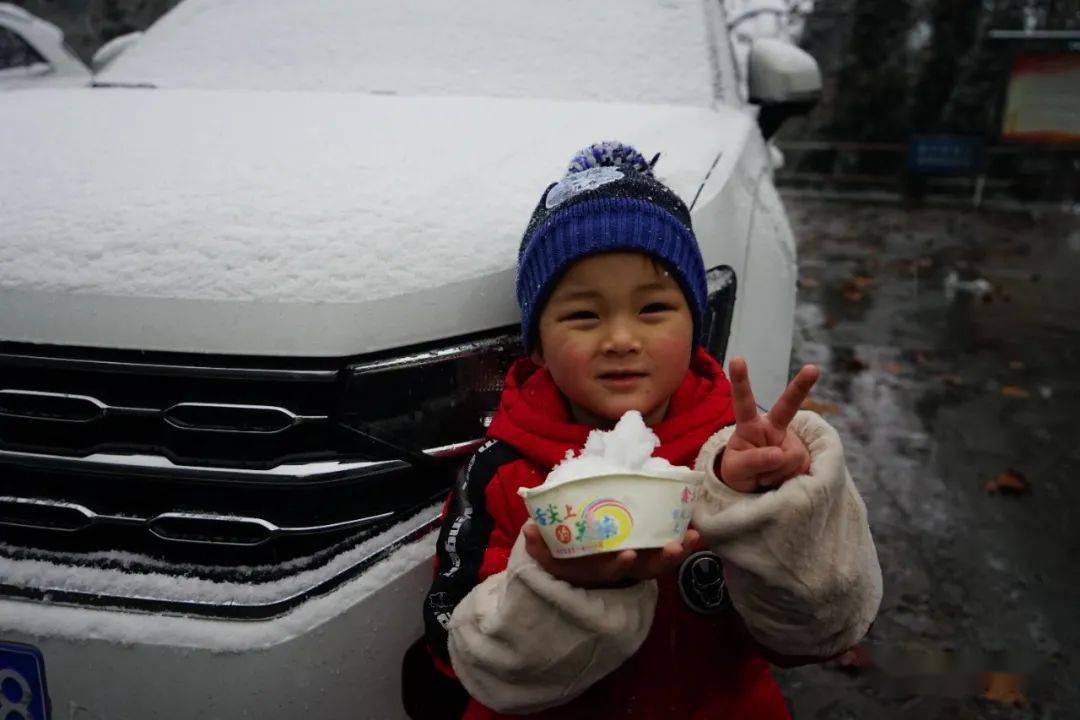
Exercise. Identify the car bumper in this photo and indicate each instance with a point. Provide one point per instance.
(337, 655)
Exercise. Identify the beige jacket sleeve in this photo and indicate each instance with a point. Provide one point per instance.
(799, 561)
(523, 640)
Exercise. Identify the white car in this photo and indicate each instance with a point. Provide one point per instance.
(256, 303)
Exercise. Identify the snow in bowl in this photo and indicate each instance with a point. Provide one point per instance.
(614, 495)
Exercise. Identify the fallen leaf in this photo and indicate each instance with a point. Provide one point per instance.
(1010, 482)
(1014, 391)
(1016, 365)
(820, 407)
(893, 368)
(808, 283)
(912, 266)
(862, 281)
(851, 292)
(1004, 687)
(830, 321)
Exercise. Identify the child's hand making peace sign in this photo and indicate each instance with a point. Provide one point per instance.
(763, 453)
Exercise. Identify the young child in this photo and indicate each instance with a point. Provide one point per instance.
(778, 565)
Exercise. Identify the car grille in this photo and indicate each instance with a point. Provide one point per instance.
(192, 414)
(210, 466)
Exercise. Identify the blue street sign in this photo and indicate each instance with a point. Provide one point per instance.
(945, 154)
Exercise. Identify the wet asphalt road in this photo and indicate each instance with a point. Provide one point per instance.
(949, 342)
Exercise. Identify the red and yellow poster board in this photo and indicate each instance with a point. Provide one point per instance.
(1043, 102)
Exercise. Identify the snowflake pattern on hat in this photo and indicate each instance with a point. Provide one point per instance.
(578, 182)
(611, 153)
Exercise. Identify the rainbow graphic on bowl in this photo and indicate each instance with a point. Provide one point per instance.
(617, 511)
(608, 522)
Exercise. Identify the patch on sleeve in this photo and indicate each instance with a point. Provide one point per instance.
(442, 606)
(701, 583)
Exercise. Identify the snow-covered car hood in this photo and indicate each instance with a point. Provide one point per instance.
(288, 223)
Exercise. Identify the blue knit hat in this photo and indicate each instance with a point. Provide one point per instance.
(608, 201)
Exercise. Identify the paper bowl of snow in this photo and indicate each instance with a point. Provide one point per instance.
(614, 495)
(625, 511)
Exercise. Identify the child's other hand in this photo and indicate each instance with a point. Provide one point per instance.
(610, 569)
(763, 453)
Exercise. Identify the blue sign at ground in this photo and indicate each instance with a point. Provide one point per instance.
(945, 155)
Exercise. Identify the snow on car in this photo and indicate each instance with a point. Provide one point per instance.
(257, 291)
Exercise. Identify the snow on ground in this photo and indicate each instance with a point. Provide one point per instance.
(568, 49)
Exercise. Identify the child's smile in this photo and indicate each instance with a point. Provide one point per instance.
(616, 335)
(623, 379)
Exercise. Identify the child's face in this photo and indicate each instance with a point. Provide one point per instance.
(616, 312)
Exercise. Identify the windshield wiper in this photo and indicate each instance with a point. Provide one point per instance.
(141, 85)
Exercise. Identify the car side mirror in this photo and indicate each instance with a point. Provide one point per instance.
(112, 50)
(784, 80)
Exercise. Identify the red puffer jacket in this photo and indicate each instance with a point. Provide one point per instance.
(698, 660)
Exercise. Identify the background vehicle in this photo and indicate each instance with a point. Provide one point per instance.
(33, 53)
(258, 302)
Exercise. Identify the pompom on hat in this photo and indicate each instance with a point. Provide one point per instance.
(609, 200)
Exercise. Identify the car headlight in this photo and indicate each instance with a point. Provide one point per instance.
(431, 398)
(719, 310)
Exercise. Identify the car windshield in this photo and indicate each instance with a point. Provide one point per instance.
(652, 51)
